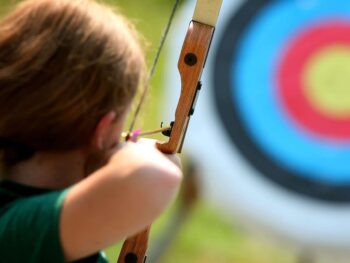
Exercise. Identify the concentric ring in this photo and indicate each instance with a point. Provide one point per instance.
(291, 79)
(250, 107)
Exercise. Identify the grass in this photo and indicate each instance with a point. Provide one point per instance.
(206, 236)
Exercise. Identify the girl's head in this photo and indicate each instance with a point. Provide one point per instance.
(64, 64)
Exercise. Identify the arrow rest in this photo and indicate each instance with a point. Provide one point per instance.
(168, 131)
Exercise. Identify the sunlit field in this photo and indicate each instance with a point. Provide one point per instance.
(206, 235)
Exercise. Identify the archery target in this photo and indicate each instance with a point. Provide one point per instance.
(283, 69)
(271, 129)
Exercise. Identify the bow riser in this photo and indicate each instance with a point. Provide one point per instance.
(191, 63)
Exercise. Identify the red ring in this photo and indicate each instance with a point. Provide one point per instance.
(290, 83)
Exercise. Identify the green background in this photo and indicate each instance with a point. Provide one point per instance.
(206, 236)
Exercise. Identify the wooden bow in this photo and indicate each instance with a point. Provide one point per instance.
(191, 63)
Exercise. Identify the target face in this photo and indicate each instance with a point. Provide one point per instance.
(282, 78)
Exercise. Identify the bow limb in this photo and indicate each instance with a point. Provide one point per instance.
(191, 63)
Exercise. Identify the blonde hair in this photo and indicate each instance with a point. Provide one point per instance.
(63, 65)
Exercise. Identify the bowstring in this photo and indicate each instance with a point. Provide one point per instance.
(154, 64)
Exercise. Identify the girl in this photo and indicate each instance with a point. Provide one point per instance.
(68, 72)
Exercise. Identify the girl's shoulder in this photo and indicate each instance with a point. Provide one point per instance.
(29, 224)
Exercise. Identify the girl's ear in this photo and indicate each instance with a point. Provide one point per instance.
(103, 131)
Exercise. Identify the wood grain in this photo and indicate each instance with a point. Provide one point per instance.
(197, 42)
(134, 248)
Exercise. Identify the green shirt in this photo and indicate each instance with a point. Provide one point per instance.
(29, 225)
